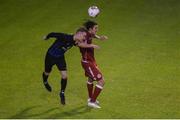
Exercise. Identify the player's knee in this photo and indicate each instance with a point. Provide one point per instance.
(46, 73)
(64, 76)
(101, 82)
(90, 80)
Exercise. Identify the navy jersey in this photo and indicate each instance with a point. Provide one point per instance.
(62, 43)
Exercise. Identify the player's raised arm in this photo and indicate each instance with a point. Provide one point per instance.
(52, 35)
(102, 37)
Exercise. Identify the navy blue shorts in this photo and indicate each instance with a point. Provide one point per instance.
(50, 61)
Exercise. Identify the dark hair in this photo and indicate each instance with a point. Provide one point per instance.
(81, 29)
(89, 24)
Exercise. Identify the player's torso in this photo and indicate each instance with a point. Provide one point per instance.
(88, 53)
(59, 47)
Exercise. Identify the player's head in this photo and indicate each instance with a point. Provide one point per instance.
(80, 34)
(91, 26)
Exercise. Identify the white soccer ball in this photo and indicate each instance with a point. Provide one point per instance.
(93, 11)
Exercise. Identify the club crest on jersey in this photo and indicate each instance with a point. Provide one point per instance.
(99, 76)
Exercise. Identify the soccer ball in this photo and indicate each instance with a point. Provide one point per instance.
(93, 11)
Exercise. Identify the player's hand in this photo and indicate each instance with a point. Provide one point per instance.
(103, 37)
(45, 38)
(95, 46)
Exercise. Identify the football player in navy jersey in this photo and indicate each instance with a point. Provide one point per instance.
(55, 56)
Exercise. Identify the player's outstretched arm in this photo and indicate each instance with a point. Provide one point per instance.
(102, 37)
(52, 35)
(85, 45)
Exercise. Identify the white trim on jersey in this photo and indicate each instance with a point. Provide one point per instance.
(100, 87)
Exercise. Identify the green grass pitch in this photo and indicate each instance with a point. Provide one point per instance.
(140, 61)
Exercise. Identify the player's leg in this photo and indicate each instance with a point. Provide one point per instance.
(63, 81)
(96, 74)
(90, 87)
(61, 64)
(97, 90)
(48, 67)
(45, 76)
(89, 83)
(63, 86)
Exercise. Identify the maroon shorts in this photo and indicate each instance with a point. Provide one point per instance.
(91, 70)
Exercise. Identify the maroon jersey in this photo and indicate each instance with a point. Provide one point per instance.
(88, 53)
(88, 61)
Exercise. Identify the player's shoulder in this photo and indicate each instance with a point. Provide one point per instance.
(67, 37)
(66, 34)
(60, 33)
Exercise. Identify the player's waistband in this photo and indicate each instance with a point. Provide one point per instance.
(55, 55)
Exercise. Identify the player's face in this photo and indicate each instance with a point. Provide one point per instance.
(94, 30)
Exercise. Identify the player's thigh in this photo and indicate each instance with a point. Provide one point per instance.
(85, 66)
(61, 64)
(95, 71)
(49, 62)
(92, 71)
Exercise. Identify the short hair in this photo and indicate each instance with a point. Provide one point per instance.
(89, 24)
(81, 29)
